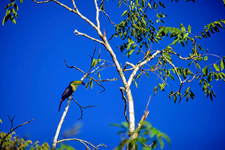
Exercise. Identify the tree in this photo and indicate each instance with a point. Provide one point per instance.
(138, 32)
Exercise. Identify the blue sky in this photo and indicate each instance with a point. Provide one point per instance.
(33, 77)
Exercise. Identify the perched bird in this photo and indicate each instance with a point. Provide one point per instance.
(69, 90)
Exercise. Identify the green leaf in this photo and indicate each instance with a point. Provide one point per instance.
(86, 86)
(149, 5)
(161, 4)
(174, 42)
(9, 5)
(129, 53)
(182, 27)
(21, 1)
(197, 65)
(155, 90)
(222, 64)
(162, 86)
(186, 35)
(205, 71)
(147, 74)
(125, 12)
(91, 83)
(16, 7)
(99, 76)
(94, 63)
(216, 66)
(143, 3)
(161, 143)
(14, 13)
(189, 28)
(12, 19)
(136, 84)
(166, 137)
(206, 58)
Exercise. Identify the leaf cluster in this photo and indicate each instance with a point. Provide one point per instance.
(149, 137)
(13, 141)
(136, 29)
(11, 11)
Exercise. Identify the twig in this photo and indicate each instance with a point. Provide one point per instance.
(87, 36)
(41, 1)
(125, 101)
(108, 17)
(74, 67)
(98, 82)
(81, 108)
(86, 143)
(13, 129)
(143, 118)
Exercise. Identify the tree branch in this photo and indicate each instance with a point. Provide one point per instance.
(86, 143)
(97, 14)
(81, 108)
(125, 101)
(87, 36)
(137, 66)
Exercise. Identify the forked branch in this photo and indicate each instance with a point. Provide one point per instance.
(81, 108)
(85, 143)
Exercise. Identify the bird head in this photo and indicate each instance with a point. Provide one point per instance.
(78, 82)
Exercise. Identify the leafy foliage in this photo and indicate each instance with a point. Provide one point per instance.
(138, 32)
(136, 29)
(11, 11)
(14, 142)
(149, 137)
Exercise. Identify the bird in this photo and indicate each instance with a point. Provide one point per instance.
(70, 90)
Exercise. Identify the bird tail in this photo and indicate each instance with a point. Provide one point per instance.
(61, 104)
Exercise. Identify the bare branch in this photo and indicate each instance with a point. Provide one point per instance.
(86, 143)
(143, 118)
(40, 2)
(74, 67)
(108, 17)
(81, 108)
(96, 81)
(106, 80)
(74, 5)
(57, 2)
(125, 101)
(87, 36)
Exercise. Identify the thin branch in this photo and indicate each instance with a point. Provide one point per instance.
(106, 80)
(87, 36)
(74, 5)
(86, 143)
(57, 2)
(98, 82)
(81, 108)
(143, 118)
(13, 129)
(125, 101)
(74, 67)
(40, 2)
(108, 17)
